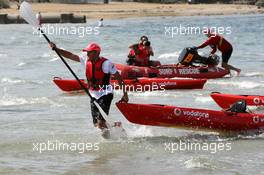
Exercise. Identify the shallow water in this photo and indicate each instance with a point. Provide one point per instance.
(34, 110)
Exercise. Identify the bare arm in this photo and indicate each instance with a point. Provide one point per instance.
(151, 53)
(121, 83)
(65, 53)
(133, 46)
(213, 50)
(206, 43)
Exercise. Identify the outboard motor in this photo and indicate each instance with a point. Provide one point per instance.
(239, 107)
(189, 56)
(213, 60)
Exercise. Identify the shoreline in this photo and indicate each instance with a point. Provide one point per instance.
(119, 10)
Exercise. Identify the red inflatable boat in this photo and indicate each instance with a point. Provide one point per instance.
(170, 71)
(226, 100)
(190, 118)
(141, 84)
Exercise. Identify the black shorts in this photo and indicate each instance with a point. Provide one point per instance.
(105, 103)
(226, 55)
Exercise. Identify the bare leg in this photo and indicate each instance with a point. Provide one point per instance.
(104, 102)
(229, 67)
(102, 125)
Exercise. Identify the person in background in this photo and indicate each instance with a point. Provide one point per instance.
(139, 54)
(100, 22)
(191, 1)
(216, 41)
(39, 18)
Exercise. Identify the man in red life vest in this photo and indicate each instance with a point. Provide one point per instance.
(98, 71)
(215, 41)
(140, 53)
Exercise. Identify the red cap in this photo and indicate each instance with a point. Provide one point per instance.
(92, 47)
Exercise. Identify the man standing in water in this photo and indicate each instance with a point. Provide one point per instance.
(98, 72)
(215, 41)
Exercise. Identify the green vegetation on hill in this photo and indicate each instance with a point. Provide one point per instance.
(4, 4)
(260, 3)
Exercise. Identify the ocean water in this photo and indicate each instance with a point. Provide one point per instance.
(34, 112)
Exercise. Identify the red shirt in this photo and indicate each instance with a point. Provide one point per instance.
(217, 42)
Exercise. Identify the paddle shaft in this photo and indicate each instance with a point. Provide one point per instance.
(69, 68)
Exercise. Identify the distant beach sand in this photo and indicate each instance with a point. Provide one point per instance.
(133, 9)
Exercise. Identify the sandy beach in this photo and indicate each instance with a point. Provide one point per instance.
(133, 9)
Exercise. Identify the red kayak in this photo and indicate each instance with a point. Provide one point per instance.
(226, 100)
(141, 84)
(190, 118)
(170, 71)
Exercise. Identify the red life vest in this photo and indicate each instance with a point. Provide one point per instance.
(97, 79)
(143, 55)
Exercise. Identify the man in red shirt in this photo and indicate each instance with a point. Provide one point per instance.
(215, 41)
